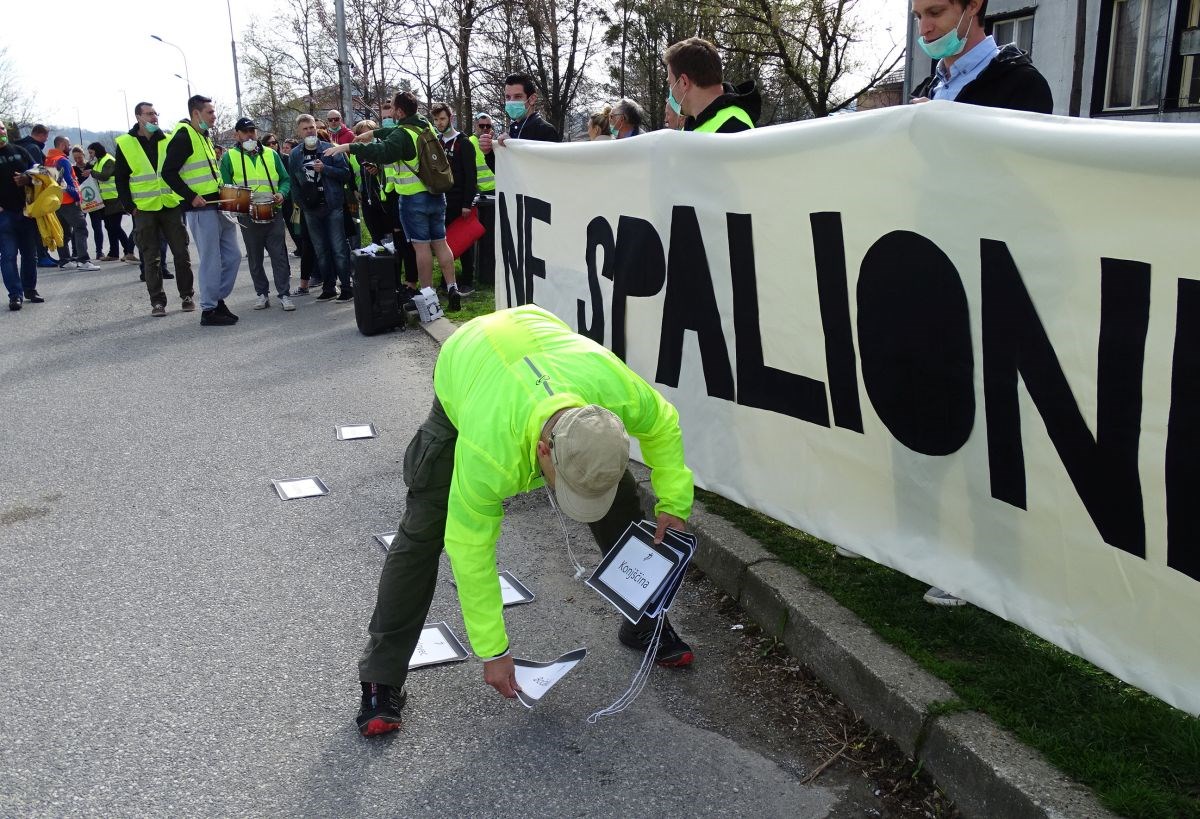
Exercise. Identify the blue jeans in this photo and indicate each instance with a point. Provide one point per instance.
(326, 231)
(423, 216)
(217, 245)
(18, 236)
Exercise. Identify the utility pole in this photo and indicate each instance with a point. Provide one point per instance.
(343, 64)
(237, 85)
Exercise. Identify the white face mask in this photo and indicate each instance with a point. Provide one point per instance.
(310, 142)
(250, 145)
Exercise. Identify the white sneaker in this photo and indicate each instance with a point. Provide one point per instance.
(261, 303)
(69, 266)
(87, 266)
(286, 303)
(937, 597)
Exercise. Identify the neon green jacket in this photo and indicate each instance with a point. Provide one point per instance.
(500, 377)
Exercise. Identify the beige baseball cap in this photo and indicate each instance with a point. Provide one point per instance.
(590, 450)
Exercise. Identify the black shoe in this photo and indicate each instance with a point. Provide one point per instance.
(672, 651)
(215, 318)
(32, 297)
(380, 709)
(454, 297)
(167, 275)
(347, 294)
(142, 277)
(326, 295)
(223, 310)
(14, 304)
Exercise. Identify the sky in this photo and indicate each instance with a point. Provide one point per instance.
(116, 63)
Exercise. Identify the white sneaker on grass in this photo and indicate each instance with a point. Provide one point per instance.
(938, 597)
(261, 303)
(286, 303)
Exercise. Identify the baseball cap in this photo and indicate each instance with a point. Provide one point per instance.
(245, 124)
(590, 450)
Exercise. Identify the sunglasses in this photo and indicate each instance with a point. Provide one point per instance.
(484, 127)
(335, 119)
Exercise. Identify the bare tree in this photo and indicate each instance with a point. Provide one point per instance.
(269, 94)
(810, 42)
(16, 105)
(303, 52)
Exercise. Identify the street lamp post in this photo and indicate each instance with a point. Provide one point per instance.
(188, 78)
(237, 85)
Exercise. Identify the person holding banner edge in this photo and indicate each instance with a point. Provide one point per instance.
(573, 404)
(697, 92)
(970, 68)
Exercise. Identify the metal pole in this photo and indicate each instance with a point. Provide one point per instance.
(908, 58)
(79, 125)
(126, 112)
(181, 54)
(237, 85)
(343, 64)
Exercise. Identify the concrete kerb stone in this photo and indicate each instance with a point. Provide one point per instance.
(982, 767)
(987, 771)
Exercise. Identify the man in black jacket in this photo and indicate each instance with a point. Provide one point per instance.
(971, 68)
(520, 103)
(461, 197)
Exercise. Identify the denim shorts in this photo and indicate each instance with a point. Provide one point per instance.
(423, 216)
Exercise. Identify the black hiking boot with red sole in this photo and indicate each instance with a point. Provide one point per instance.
(672, 652)
(380, 710)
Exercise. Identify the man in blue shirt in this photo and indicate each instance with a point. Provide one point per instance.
(971, 68)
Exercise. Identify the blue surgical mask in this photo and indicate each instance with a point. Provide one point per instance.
(515, 108)
(949, 44)
(676, 105)
(389, 122)
(612, 129)
(203, 126)
(151, 127)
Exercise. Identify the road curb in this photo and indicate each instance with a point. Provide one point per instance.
(985, 769)
(981, 766)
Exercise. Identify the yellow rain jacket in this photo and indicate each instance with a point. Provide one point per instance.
(44, 197)
(500, 378)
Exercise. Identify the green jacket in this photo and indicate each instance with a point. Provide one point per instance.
(500, 377)
(390, 144)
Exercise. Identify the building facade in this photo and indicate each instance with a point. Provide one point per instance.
(1129, 59)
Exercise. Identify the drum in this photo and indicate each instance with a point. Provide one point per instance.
(235, 199)
(262, 208)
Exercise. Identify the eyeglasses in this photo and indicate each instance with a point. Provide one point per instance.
(484, 127)
(335, 119)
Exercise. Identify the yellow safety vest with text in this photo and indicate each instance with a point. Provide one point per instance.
(199, 172)
(483, 174)
(259, 171)
(108, 187)
(146, 184)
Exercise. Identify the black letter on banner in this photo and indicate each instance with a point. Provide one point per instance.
(914, 338)
(534, 209)
(829, 252)
(759, 385)
(691, 304)
(514, 258)
(599, 235)
(1104, 469)
(639, 269)
(1183, 437)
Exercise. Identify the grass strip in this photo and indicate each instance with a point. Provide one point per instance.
(1139, 755)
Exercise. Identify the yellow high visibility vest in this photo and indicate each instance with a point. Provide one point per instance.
(108, 187)
(146, 184)
(259, 172)
(200, 172)
(723, 116)
(483, 174)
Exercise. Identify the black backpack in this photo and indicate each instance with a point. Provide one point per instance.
(433, 167)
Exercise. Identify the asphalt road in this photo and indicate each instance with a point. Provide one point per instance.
(177, 641)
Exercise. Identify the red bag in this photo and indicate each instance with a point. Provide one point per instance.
(464, 232)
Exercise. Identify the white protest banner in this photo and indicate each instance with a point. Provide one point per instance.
(960, 341)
